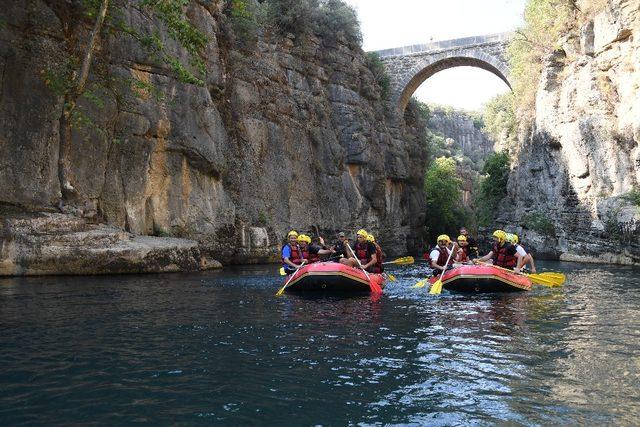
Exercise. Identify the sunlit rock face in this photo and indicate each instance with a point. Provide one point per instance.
(582, 157)
(293, 134)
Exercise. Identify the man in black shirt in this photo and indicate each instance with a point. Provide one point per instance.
(338, 247)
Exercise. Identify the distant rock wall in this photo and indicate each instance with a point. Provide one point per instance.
(460, 127)
(572, 171)
(291, 135)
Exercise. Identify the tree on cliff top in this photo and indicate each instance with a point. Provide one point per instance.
(85, 75)
(327, 19)
(545, 21)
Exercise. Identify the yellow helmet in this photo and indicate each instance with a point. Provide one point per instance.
(515, 239)
(304, 238)
(443, 237)
(370, 238)
(292, 233)
(462, 237)
(362, 232)
(500, 234)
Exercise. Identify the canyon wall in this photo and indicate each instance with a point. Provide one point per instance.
(571, 193)
(291, 134)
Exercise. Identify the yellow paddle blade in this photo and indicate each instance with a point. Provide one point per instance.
(421, 283)
(540, 279)
(281, 291)
(391, 277)
(551, 275)
(406, 260)
(436, 288)
(282, 273)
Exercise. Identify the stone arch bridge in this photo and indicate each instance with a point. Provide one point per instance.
(409, 66)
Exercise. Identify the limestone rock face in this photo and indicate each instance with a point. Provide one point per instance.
(459, 126)
(54, 243)
(292, 134)
(583, 154)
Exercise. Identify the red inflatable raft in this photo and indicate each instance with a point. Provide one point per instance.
(332, 277)
(483, 278)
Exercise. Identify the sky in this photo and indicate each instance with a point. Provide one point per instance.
(395, 23)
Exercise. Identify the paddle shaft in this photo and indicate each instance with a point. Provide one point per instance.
(436, 288)
(290, 278)
(374, 286)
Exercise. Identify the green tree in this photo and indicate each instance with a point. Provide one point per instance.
(500, 119)
(493, 186)
(545, 22)
(443, 191)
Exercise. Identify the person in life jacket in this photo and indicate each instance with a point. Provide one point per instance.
(526, 258)
(440, 253)
(503, 254)
(339, 247)
(472, 251)
(362, 251)
(311, 252)
(462, 254)
(379, 268)
(291, 253)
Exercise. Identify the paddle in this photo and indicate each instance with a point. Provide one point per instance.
(375, 288)
(423, 282)
(550, 279)
(436, 288)
(391, 277)
(281, 291)
(401, 261)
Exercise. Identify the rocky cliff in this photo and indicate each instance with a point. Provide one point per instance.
(573, 192)
(293, 134)
(464, 129)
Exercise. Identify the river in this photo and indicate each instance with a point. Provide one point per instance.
(218, 347)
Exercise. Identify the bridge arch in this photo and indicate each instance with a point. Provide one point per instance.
(420, 73)
(409, 66)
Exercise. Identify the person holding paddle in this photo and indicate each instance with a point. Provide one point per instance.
(363, 251)
(526, 258)
(379, 255)
(291, 253)
(503, 254)
(439, 257)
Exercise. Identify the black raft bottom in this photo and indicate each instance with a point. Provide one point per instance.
(480, 286)
(328, 283)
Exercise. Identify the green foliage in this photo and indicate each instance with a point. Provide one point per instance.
(171, 16)
(263, 218)
(243, 15)
(539, 222)
(478, 121)
(443, 189)
(493, 186)
(338, 19)
(328, 19)
(379, 73)
(298, 17)
(633, 196)
(545, 22)
(500, 119)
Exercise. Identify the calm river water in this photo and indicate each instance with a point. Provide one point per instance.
(220, 348)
